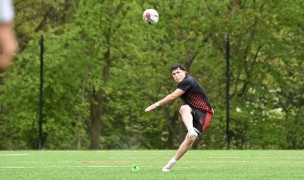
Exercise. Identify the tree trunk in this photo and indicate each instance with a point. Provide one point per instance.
(96, 111)
(172, 130)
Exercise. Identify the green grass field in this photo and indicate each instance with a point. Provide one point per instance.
(116, 164)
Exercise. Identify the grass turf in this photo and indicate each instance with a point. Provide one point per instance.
(117, 164)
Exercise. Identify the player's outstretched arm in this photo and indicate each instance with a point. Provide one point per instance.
(168, 98)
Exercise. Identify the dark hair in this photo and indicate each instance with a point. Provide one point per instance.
(177, 66)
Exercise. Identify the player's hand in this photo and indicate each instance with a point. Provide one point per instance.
(150, 108)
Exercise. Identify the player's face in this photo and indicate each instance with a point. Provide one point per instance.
(178, 75)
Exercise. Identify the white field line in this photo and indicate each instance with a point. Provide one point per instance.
(203, 158)
(14, 154)
(265, 157)
(24, 167)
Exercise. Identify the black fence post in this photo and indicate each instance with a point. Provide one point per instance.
(41, 92)
(227, 89)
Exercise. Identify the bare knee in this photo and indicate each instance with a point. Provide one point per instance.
(185, 109)
(189, 141)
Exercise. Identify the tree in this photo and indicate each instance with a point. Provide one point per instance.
(104, 65)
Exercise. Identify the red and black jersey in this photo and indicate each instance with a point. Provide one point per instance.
(195, 96)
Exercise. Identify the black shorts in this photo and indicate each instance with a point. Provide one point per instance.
(201, 119)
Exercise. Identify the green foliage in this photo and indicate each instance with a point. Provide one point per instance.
(103, 65)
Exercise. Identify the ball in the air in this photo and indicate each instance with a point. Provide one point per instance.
(150, 16)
